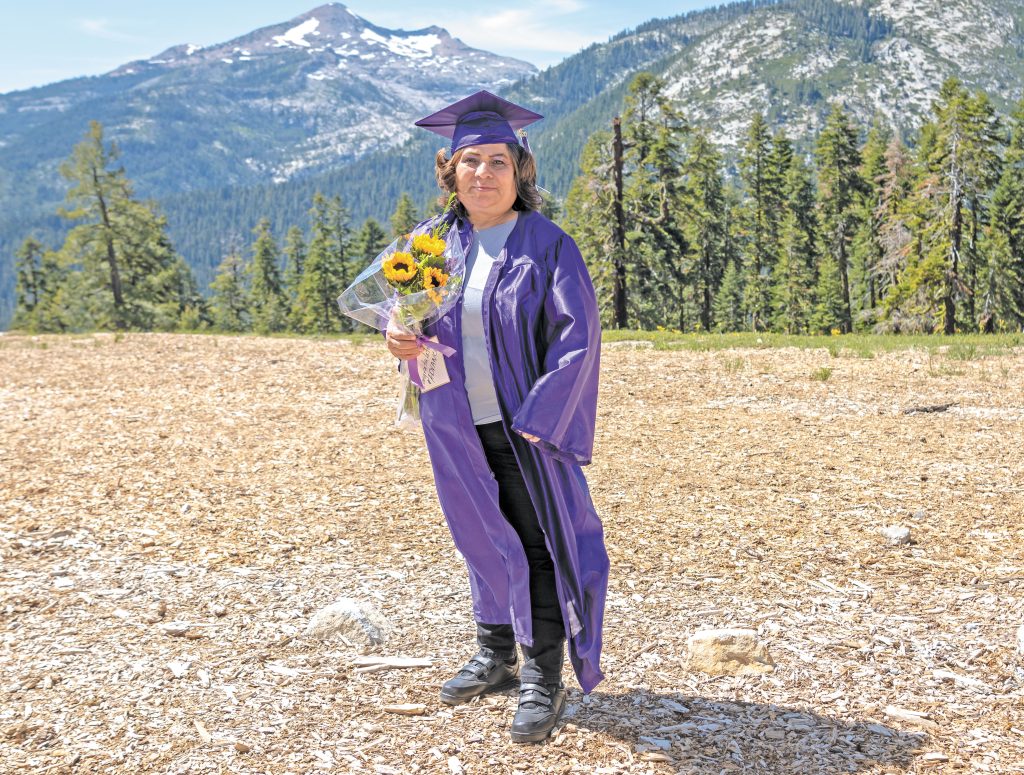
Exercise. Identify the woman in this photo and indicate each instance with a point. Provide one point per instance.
(508, 433)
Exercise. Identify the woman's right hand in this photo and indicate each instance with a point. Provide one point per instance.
(402, 344)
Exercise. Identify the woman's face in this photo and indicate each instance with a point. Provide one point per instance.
(485, 181)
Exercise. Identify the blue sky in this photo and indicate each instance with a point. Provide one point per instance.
(50, 40)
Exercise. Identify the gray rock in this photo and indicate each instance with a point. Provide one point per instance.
(353, 620)
(729, 652)
(1020, 640)
(896, 535)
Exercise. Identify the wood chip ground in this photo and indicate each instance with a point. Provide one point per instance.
(173, 509)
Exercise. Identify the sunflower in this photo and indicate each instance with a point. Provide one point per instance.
(399, 268)
(424, 243)
(434, 278)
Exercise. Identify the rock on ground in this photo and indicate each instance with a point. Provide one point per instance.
(354, 620)
(729, 652)
(897, 535)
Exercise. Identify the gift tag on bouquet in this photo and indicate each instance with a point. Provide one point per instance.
(433, 372)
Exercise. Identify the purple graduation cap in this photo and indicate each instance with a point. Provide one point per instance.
(480, 119)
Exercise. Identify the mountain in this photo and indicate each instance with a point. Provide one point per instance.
(229, 133)
(277, 104)
(790, 59)
(306, 95)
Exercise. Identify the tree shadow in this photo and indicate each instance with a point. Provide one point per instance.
(704, 736)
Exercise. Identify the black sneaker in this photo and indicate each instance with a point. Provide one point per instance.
(540, 707)
(482, 674)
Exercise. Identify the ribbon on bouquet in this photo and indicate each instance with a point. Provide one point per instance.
(414, 368)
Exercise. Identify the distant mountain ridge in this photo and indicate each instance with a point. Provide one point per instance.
(302, 96)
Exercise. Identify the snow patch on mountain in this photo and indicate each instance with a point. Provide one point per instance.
(296, 36)
(412, 46)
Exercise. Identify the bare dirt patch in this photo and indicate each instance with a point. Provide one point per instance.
(173, 509)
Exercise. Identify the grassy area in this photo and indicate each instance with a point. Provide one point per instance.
(958, 347)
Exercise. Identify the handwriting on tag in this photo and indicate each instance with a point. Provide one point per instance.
(433, 372)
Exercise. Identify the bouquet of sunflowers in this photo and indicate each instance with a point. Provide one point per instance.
(413, 282)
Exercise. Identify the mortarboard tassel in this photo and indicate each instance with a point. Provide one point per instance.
(523, 141)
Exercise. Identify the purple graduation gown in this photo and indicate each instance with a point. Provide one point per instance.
(543, 335)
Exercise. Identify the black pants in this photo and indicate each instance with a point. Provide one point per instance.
(543, 660)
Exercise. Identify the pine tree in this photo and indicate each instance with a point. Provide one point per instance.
(369, 241)
(758, 223)
(653, 133)
(830, 305)
(982, 174)
(405, 218)
(958, 163)
(866, 251)
(326, 271)
(268, 301)
(589, 218)
(704, 205)
(793, 283)
(230, 298)
(183, 307)
(123, 248)
(38, 278)
(839, 187)
(891, 218)
(912, 299)
(295, 260)
(1003, 304)
(728, 303)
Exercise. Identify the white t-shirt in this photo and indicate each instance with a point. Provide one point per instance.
(487, 246)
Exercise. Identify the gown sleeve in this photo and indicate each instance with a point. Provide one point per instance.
(561, 407)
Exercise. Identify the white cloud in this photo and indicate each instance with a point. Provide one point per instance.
(100, 28)
(550, 26)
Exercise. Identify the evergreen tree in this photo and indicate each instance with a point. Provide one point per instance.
(704, 205)
(658, 243)
(910, 303)
(793, 283)
(123, 248)
(758, 223)
(777, 170)
(1003, 305)
(369, 241)
(230, 298)
(268, 300)
(891, 218)
(839, 187)
(405, 218)
(728, 303)
(39, 277)
(589, 218)
(295, 260)
(830, 305)
(866, 251)
(325, 272)
(957, 163)
(183, 307)
(982, 174)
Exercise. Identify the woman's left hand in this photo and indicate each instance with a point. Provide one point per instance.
(530, 437)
